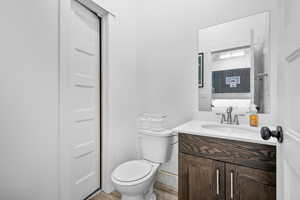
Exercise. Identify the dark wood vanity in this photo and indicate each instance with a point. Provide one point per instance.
(213, 168)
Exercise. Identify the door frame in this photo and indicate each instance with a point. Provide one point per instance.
(64, 59)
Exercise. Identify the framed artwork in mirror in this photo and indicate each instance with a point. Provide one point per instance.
(200, 70)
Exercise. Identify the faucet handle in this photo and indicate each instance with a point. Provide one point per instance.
(223, 119)
(236, 119)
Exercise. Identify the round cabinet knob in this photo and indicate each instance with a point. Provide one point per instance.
(266, 133)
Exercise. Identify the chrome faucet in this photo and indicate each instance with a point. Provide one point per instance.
(229, 115)
(227, 119)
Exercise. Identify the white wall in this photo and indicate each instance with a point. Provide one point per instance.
(29, 100)
(167, 49)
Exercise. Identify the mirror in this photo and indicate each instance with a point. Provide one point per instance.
(233, 65)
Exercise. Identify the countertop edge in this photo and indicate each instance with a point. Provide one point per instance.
(179, 129)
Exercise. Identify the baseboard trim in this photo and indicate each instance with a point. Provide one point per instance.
(93, 194)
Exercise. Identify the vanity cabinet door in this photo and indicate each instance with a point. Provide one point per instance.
(200, 178)
(243, 183)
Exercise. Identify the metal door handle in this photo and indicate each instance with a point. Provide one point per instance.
(218, 181)
(231, 185)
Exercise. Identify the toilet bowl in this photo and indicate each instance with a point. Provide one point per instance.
(135, 179)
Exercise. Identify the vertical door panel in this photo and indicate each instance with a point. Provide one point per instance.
(289, 179)
(81, 91)
(243, 183)
(288, 103)
(199, 180)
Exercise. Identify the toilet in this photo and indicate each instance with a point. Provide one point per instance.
(135, 179)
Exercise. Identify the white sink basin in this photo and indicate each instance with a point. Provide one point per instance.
(230, 129)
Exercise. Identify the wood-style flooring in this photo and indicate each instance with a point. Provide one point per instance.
(163, 193)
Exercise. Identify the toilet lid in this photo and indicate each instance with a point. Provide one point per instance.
(132, 171)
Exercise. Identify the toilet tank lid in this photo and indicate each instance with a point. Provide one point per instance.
(164, 133)
(132, 171)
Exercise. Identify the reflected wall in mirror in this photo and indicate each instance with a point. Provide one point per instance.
(236, 68)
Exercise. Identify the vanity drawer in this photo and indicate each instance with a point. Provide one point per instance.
(247, 154)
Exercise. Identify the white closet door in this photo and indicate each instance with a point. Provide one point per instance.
(81, 103)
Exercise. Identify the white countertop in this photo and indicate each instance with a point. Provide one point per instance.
(252, 134)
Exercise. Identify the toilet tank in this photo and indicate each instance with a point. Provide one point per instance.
(156, 145)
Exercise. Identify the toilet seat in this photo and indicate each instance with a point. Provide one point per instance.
(132, 171)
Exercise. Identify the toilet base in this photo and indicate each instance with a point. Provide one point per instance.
(124, 197)
(148, 196)
(151, 196)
